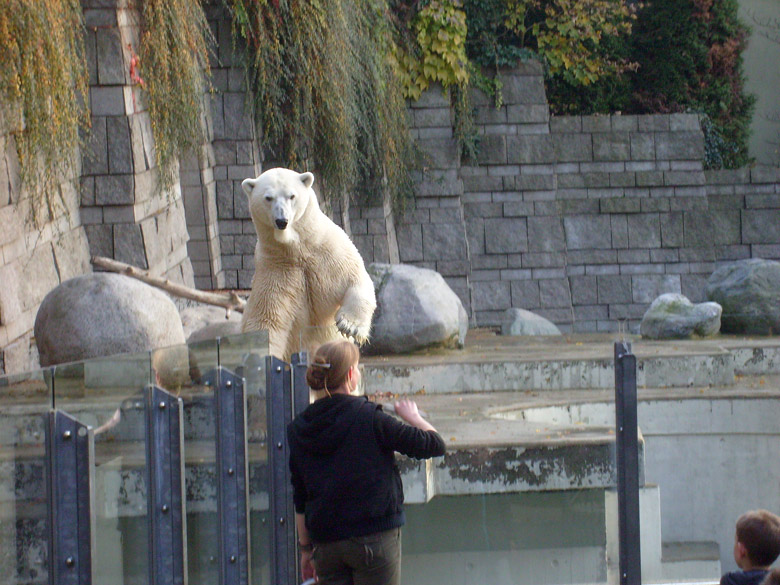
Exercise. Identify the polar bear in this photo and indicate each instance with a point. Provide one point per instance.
(310, 284)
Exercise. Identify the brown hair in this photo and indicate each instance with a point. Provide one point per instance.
(330, 365)
(759, 533)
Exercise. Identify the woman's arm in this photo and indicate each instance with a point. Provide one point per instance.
(417, 439)
(305, 545)
(407, 410)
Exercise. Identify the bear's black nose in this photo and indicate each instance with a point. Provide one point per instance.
(281, 223)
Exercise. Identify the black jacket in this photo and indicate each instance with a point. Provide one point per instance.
(752, 577)
(342, 461)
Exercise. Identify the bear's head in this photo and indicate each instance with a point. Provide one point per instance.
(278, 198)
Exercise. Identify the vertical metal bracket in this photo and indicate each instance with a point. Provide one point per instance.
(70, 461)
(279, 412)
(627, 461)
(165, 488)
(232, 477)
(300, 389)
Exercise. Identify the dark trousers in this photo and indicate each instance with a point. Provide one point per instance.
(374, 559)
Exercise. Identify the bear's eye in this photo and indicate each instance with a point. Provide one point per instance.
(268, 198)
(292, 197)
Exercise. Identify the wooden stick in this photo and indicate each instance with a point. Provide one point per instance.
(230, 301)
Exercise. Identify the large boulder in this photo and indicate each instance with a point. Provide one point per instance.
(749, 292)
(103, 314)
(522, 322)
(205, 322)
(416, 309)
(673, 316)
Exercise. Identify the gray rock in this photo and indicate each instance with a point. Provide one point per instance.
(749, 292)
(522, 322)
(673, 316)
(208, 322)
(104, 314)
(416, 309)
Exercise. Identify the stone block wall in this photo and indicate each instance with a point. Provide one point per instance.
(125, 213)
(34, 256)
(236, 153)
(430, 232)
(582, 219)
(198, 188)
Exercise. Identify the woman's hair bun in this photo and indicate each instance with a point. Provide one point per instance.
(317, 374)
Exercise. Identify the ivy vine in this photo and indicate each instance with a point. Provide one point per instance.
(325, 94)
(44, 78)
(172, 67)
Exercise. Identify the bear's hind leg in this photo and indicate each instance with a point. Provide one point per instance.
(314, 336)
(275, 310)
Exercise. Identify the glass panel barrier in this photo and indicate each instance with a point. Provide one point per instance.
(107, 394)
(24, 525)
(180, 371)
(546, 537)
(526, 491)
(245, 355)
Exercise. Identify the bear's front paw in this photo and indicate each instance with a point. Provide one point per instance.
(350, 329)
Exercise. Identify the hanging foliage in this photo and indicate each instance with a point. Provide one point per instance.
(325, 95)
(44, 77)
(431, 48)
(439, 55)
(172, 64)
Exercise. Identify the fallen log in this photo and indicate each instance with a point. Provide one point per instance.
(230, 301)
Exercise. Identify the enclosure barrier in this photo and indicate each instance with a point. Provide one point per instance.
(163, 451)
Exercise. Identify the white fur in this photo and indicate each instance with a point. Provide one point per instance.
(310, 284)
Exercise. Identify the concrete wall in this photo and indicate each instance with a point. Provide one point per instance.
(713, 460)
(763, 76)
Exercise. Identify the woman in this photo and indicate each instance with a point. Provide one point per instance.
(346, 487)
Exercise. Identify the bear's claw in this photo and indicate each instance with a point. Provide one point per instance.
(349, 329)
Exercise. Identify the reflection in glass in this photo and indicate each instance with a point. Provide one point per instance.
(23, 519)
(107, 394)
(245, 355)
(181, 371)
(526, 538)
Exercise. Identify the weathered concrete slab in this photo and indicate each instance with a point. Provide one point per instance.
(496, 363)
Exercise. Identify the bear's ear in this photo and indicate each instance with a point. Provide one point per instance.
(307, 179)
(247, 185)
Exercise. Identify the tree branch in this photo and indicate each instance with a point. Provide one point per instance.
(230, 301)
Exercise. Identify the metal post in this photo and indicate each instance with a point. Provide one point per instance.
(165, 488)
(300, 401)
(299, 362)
(70, 462)
(279, 414)
(232, 478)
(627, 447)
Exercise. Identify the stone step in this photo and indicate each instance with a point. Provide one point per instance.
(496, 363)
(689, 561)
